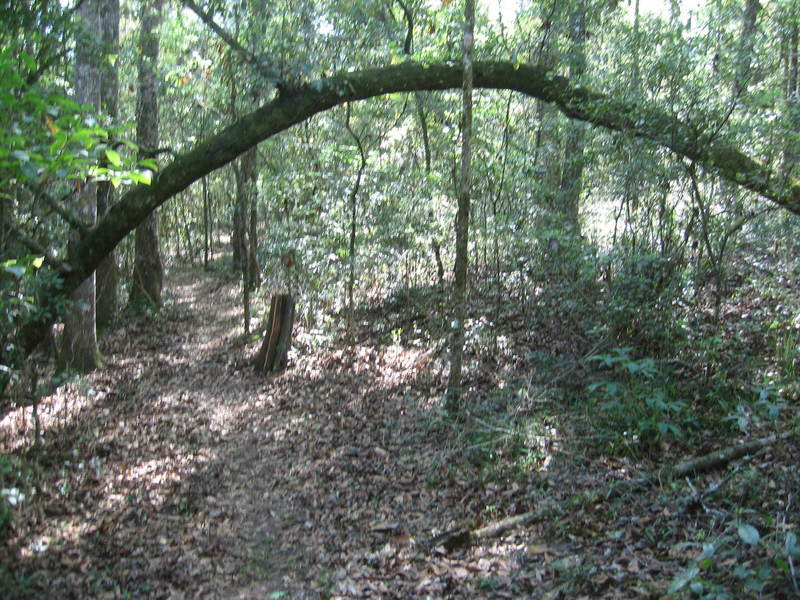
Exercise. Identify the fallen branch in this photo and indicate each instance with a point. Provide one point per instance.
(720, 458)
(464, 537)
(700, 464)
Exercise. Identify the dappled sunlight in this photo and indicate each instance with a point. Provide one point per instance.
(176, 465)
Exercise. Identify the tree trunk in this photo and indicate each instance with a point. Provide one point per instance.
(747, 40)
(546, 157)
(107, 271)
(273, 355)
(238, 244)
(253, 268)
(351, 279)
(791, 153)
(148, 270)
(572, 170)
(245, 199)
(206, 223)
(79, 342)
(459, 301)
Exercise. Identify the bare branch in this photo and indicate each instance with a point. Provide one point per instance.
(269, 73)
(72, 220)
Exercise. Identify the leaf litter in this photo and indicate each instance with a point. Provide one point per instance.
(176, 472)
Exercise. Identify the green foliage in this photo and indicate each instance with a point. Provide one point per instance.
(20, 281)
(502, 444)
(45, 137)
(642, 306)
(15, 488)
(766, 408)
(637, 405)
(763, 563)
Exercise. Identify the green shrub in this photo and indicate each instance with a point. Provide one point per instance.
(636, 405)
(642, 306)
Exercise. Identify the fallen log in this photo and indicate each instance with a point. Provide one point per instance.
(699, 464)
(464, 537)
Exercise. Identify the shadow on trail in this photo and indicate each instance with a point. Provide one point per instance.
(177, 472)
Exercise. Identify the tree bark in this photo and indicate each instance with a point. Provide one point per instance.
(790, 152)
(253, 268)
(747, 41)
(572, 169)
(351, 279)
(459, 301)
(206, 223)
(246, 177)
(273, 355)
(148, 270)
(107, 271)
(79, 341)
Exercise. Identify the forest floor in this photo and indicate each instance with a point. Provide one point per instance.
(174, 471)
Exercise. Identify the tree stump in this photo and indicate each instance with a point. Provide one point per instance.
(274, 353)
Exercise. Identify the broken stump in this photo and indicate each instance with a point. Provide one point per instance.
(273, 355)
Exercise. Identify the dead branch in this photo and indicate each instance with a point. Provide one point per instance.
(697, 465)
(464, 537)
(720, 458)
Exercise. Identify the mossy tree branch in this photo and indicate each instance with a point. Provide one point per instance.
(295, 105)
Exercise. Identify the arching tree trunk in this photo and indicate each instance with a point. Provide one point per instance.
(713, 149)
(79, 341)
(148, 270)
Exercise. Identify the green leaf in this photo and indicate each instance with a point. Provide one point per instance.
(696, 587)
(140, 177)
(15, 270)
(681, 580)
(749, 534)
(28, 60)
(66, 103)
(741, 572)
(20, 155)
(37, 262)
(59, 141)
(114, 158)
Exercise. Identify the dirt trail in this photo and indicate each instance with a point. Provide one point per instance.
(178, 472)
